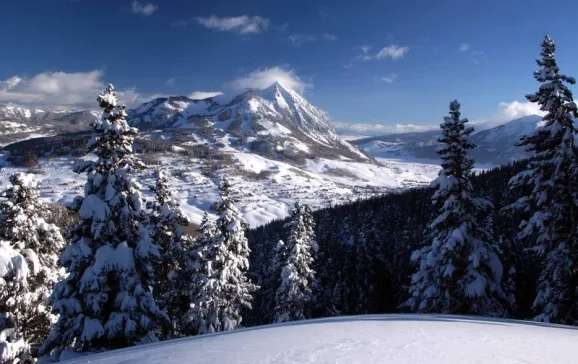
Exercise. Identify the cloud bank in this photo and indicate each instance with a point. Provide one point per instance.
(263, 78)
(243, 24)
(62, 90)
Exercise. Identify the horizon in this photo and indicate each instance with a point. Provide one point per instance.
(372, 68)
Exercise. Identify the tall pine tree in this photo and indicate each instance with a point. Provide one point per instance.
(223, 287)
(551, 185)
(166, 222)
(460, 272)
(24, 313)
(294, 295)
(106, 301)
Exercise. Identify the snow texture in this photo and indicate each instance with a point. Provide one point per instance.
(399, 339)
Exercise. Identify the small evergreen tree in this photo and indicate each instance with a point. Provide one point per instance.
(166, 222)
(194, 274)
(106, 301)
(460, 272)
(223, 287)
(550, 192)
(24, 313)
(294, 295)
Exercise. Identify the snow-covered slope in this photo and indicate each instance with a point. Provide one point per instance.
(267, 121)
(388, 339)
(17, 123)
(495, 146)
(267, 188)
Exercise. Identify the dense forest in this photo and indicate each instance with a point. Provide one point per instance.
(363, 263)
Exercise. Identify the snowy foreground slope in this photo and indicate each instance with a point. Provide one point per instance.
(395, 339)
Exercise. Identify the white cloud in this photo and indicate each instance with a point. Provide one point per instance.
(145, 9)
(201, 95)
(379, 129)
(263, 78)
(478, 56)
(389, 78)
(299, 39)
(170, 82)
(57, 90)
(508, 111)
(240, 24)
(464, 47)
(513, 110)
(392, 51)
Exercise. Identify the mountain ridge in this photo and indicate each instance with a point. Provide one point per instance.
(494, 146)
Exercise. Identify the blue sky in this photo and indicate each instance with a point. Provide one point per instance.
(369, 61)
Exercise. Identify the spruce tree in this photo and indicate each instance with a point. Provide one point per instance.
(35, 244)
(294, 295)
(550, 192)
(223, 287)
(460, 271)
(166, 222)
(106, 300)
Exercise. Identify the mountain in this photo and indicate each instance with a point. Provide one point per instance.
(495, 146)
(273, 145)
(17, 123)
(276, 121)
(39, 117)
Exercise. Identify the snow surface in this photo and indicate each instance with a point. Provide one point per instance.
(395, 339)
(319, 183)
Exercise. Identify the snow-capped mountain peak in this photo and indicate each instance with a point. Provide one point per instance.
(276, 119)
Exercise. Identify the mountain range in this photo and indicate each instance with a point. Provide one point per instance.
(495, 146)
(273, 144)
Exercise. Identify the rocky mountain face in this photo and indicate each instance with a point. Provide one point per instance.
(276, 121)
(495, 146)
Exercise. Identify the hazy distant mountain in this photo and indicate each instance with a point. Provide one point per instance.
(494, 146)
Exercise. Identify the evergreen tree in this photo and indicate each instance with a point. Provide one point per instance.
(294, 295)
(106, 301)
(196, 272)
(460, 272)
(30, 241)
(15, 298)
(224, 289)
(550, 192)
(166, 222)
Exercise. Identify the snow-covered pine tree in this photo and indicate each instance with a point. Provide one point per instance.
(551, 178)
(106, 301)
(460, 272)
(166, 222)
(15, 298)
(223, 287)
(198, 269)
(24, 313)
(294, 295)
